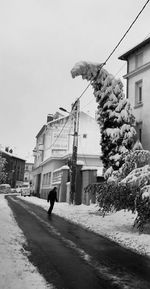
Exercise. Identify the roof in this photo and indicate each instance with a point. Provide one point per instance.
(135, 48)
(11, 155)
(58, 120)
(41, 130)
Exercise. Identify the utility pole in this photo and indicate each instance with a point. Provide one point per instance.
(75, 110)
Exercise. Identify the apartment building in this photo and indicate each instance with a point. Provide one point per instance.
(53, 151)
(14, 168)
(138, 87)
(28, 172)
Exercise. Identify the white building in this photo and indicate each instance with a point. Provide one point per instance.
(138, 87)
(54, 144)
(28, 172)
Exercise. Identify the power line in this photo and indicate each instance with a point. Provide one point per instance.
(119, 70)
(127, 31)
(88, 102)
(104, 63)
(146, 36)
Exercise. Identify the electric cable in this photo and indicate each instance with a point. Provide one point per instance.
(104, 63)
(88, 102)
(127, 31)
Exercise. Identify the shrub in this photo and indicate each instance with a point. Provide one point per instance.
(130, 193)
(117, 196)
(138, 177)
(143, 208)
(114, 196)
(135, 159)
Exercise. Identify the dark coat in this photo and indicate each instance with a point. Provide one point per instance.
(52, 196)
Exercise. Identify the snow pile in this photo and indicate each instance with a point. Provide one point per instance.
(15, 269)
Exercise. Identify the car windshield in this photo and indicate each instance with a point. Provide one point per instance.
(4, 186)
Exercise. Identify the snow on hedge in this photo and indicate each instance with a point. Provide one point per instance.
(139, 177)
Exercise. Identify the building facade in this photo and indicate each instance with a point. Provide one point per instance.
(14, 168)
(53, 151)
(138, 88)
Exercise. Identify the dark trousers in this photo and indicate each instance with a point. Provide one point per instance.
(51, 206)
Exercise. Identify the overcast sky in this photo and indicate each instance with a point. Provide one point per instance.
(40, 41)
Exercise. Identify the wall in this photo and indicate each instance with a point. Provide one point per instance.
(89, 136)
(142, 113)
(146, 57)
(57, 142)
(28, 172)
(90, 161)
(49, 167)
(88, 177)
(39, 154)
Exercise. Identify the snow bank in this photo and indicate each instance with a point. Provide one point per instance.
(15, 270)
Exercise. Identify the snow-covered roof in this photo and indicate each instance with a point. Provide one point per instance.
(11, 154)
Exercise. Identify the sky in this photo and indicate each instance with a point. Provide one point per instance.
(15, 269)
(40, 42)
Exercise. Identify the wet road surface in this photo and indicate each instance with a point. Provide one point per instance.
(71, 257)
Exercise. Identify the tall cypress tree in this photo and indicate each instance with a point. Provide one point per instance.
(114, 114)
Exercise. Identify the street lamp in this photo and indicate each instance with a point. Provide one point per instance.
(63, 109)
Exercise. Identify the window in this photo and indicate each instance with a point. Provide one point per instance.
(84, 135)
(140, 134)
(139, 131)
(46, 179)
(138, 92)
(138, 60)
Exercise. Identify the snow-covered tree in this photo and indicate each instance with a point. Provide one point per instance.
(3, 174)
(114, 114)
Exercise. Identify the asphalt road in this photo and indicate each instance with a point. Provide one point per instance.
(71, 257)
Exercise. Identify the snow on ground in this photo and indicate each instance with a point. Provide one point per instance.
(15, 270)
(116, 226)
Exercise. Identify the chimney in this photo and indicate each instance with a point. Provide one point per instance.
(50, 117)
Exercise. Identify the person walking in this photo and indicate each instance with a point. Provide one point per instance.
(52, 197)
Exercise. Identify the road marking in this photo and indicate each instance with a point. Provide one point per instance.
(102, 270)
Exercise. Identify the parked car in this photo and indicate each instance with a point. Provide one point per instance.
(25, 190)
(5, 189)
(13, 190)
